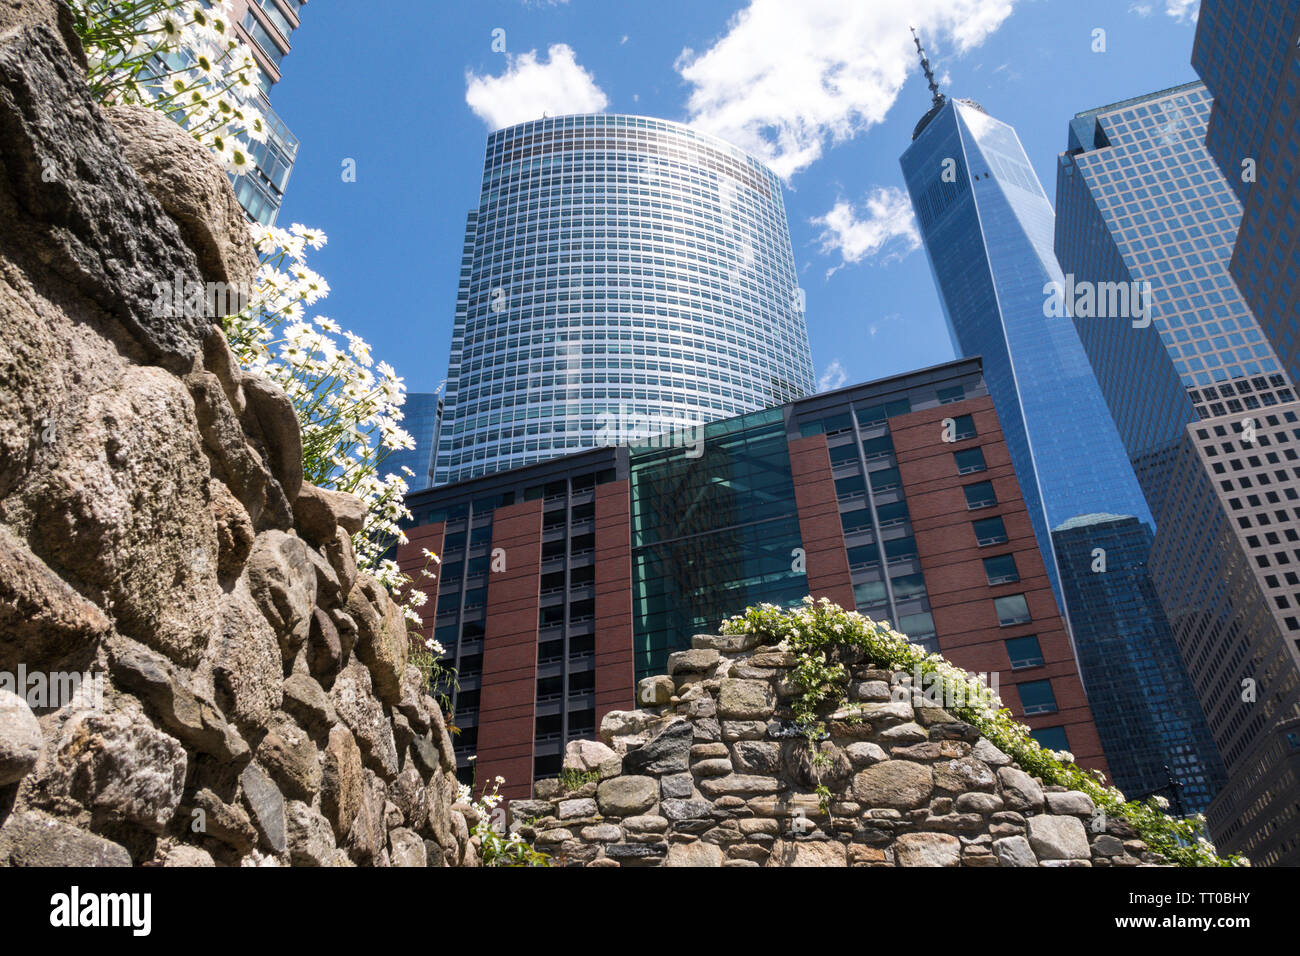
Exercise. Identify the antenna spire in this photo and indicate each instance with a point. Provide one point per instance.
(937, 97)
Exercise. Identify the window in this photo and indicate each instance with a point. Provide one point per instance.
(1036, 697)
(963, 428)
(908, 586)
(980, 495)
(1012, 609)
(1001, 570)
(869, 594)
(970, 461)
(1024, 652)
(1053, 738)
(989, 531)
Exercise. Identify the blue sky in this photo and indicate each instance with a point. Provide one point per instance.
(827, 91)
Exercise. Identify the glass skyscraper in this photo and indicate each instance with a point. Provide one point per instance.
(1212, 426)
(423, 411)
(621, 277)
(1246, 54)
(988, 227)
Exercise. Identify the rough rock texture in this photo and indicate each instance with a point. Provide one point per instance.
(241, 694)
(910, 785)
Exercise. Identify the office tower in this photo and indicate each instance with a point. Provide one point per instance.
(1246, 54)
(1211, 423)
(609, 560)
(621, 276)
(1144, 710)
(423, 411)
(266, 27)
(987, 228)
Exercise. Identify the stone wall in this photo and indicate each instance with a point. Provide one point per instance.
(246, 697)
(713, 773)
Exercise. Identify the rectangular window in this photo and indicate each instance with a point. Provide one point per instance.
(1001, 570)
(1024, 652)
(1036, 697)
(970, 461)
(963, 428)
(1053, 738)
(980, 495)
(1012, 609)
(989, 531)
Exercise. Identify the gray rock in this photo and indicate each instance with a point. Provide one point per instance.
(406, 848)
(627, 796)
(667, 752)
(693, 662)
(756, 756)
(246, 662)
(306, 701)
(342, 781)
(357, 707)
(282, 582)
(20, 738)
(1014, 851)
(678, 810)
(694, 854)
(960, 776)
(807, 853)
(894, 784)
(382, 642)
(928, 849)
(1072, 803)
(265, 805)
(570, 809)
(677, 786)
(33, 839)
(654, 691)
(309, 835)
(291, 758)
(1058, 838)
(188, 857)
(863, 753)
(745, 699)
(1019, 790)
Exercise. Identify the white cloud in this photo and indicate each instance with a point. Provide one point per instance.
(529, 87)
(887, 227)
(1183, 10)
(833, 377)
(787, 77)
(1143, 10)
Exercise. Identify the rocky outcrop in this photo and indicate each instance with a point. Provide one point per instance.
(713, 772)
(200, 674)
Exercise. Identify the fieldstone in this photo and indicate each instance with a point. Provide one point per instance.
(1107, 845)
(978, 803)
(1071, 803)
(193, 190)
(1058, 838)
(903, 734)
(1019, 790)
(306, 701)
(667, 752)
(625, 723)
(20, 738)
(863, 753)
(357, 707)
(894, 784)
(319, 512)
(654, 691)
(406, 848)
(246, 662)
(807, 853)
(569, 809)
(270, 414)
(342, 781)
(185, 856)
(714, 767)
(282, 582)
(265, 805)
(694, 854)
(222, 821)
(677, 810)
(627, 796)
(153, 679)
(745, 699)
(989, 754)
(734, 730)
(117, 763)
(740, 784)
(309, 835)
(756, 756)
(960, 776)
(602, 833)
(693, 662)
(34, 839)
(928, 849)
(678, 786)
(382, 642)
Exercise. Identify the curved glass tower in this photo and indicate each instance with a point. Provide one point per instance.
(621, 277)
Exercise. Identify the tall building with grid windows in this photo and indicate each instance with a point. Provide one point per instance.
(987, 227)
(1212, 425)
(266, 27)
(622, 276)
(423, 418)
(1248, 54)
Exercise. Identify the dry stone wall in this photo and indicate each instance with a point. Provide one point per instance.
(192, 669)
(713, 772)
